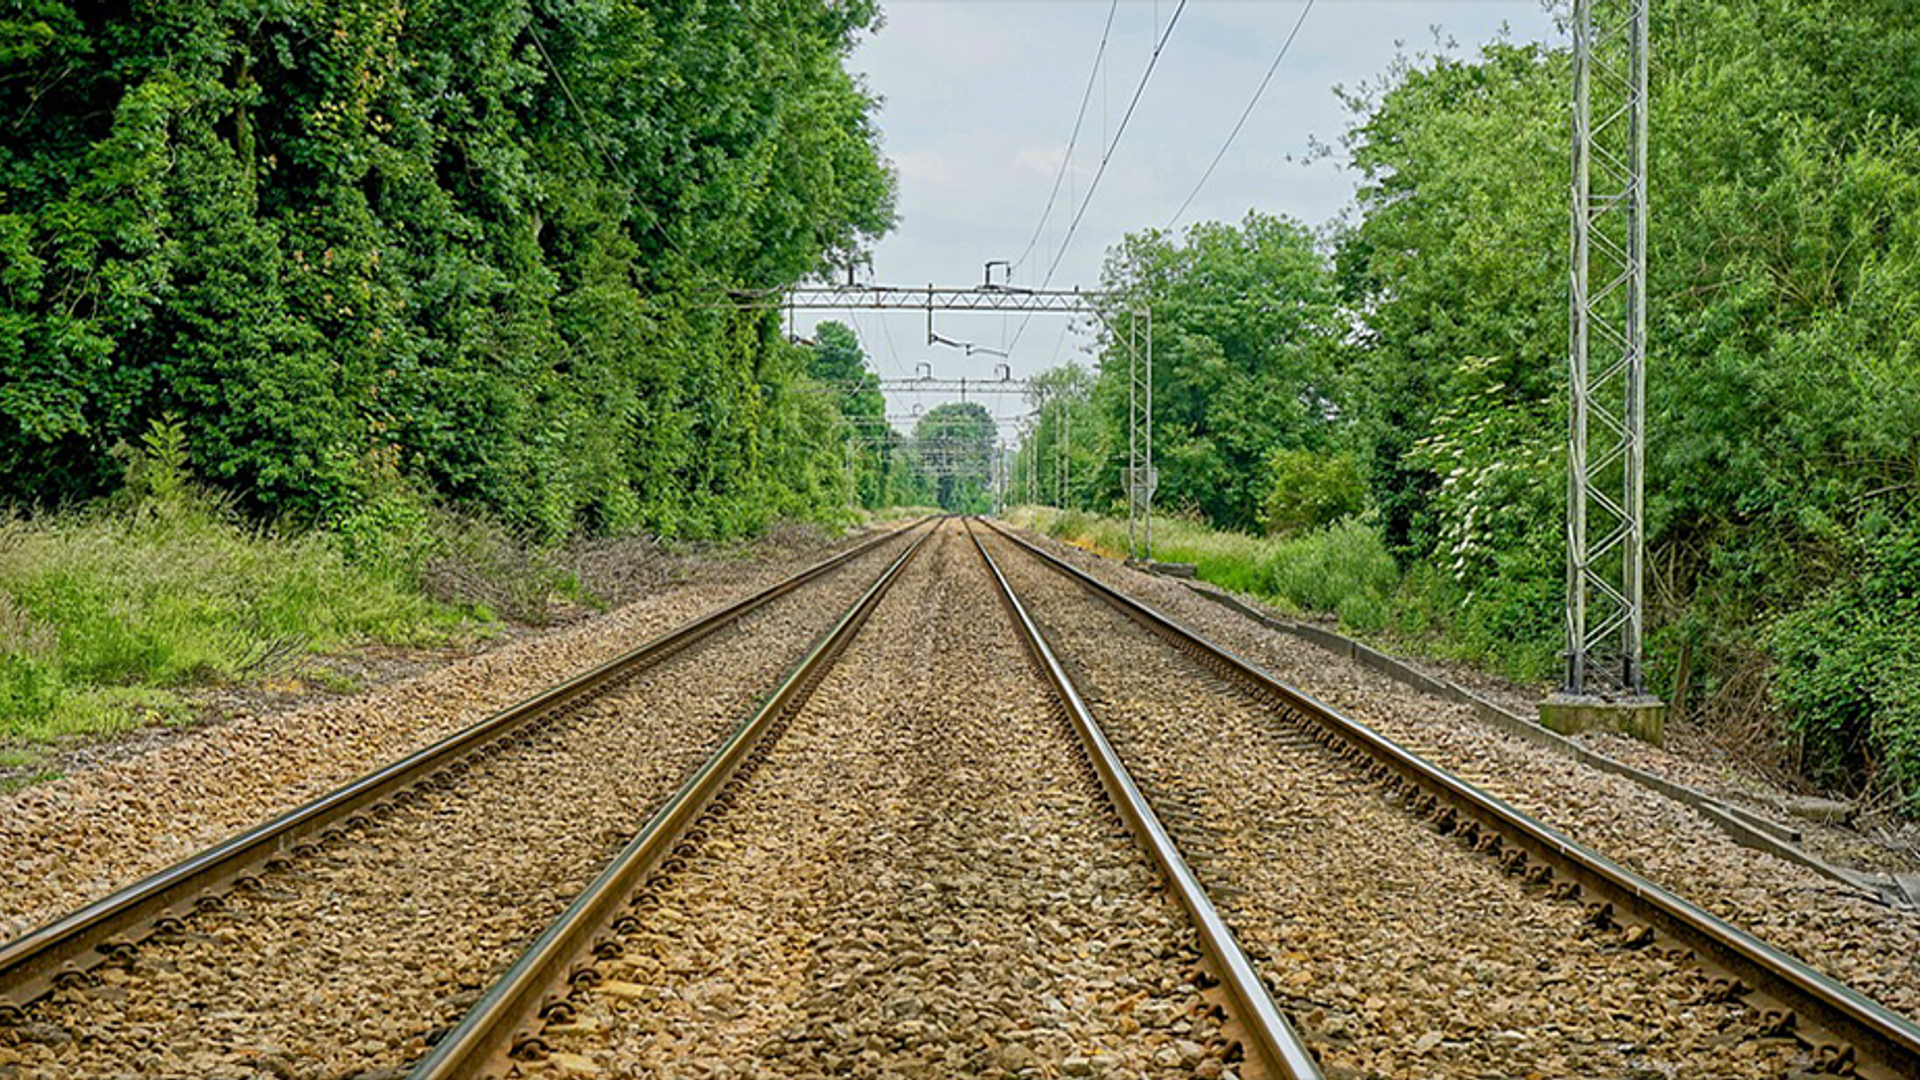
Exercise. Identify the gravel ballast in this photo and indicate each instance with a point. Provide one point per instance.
(1835, 929)
(922, 880)
(347, 960)
(1396, 951)
(73, 840)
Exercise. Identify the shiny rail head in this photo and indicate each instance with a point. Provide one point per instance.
(1268, 1039)
(508, 1014)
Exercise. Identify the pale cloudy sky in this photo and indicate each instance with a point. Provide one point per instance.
(980, 99)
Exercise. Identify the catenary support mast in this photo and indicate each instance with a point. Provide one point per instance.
(1606, 450)
(1607, 445)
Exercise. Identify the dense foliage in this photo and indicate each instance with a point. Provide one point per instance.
(1240, 319)
(1050, 467)
(371, 251)
(1421, 351)
(952, 451)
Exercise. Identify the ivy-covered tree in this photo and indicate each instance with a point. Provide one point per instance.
(471, 249)
(840, 365)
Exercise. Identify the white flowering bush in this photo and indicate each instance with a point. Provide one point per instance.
(1499, 515)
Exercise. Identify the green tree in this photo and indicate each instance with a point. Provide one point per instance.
(1306, 490)
(1784, 421)
(955, 446)
(472, 249)
(1243, 322)
(1068, 445)
(840, 364)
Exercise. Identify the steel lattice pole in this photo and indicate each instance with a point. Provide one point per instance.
(1152, 480)
(1133, 436)
(1606, 452)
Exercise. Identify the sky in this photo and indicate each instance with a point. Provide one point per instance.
(979, 101)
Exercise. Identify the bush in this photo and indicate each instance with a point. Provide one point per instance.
(1343, 569)
(106, 610)
(1307, 490)
(1848, 670)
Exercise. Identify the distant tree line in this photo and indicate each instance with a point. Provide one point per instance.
(370, 252)
(1407, 368)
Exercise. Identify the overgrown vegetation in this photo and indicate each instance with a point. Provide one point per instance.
(1340, 569)
(401, 297)
(475, 253)
(107, 612)
(1420, 344)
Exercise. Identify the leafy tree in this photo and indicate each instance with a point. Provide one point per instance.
(1784, 422)
(1306, 490)
(1458, 253)
(1242, 320)
(1068, 446)
(955, 445)
(470, 248)
(840, 363)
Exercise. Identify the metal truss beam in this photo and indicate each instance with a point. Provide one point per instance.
(930, 298)
(1140, 478)
(963, 387)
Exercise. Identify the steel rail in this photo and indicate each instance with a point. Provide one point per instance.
(504, 1021)
(1851, 1033)
(33, 964)
(1269, 1040)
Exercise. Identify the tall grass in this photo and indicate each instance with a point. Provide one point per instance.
(107, 612)
(1343, 569)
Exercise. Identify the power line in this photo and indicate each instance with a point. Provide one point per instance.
(1275, 66)
(1073, 140)
(1106, 157)
(1119, 133)
(594, 138)
(893, 354)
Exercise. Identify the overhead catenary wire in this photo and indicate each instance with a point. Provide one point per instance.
(1073, 140)
(1244, 114)
(593, 137)
(1106, 158)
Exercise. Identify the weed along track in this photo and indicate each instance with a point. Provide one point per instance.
(941, 807)
(344, 937)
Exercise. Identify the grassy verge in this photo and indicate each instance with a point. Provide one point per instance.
(111, 615)
(106, 615)
(1343, 571)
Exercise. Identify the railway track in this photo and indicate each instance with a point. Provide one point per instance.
(980, 826)
(1412, 924)
(342, 937)
(916, 860)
